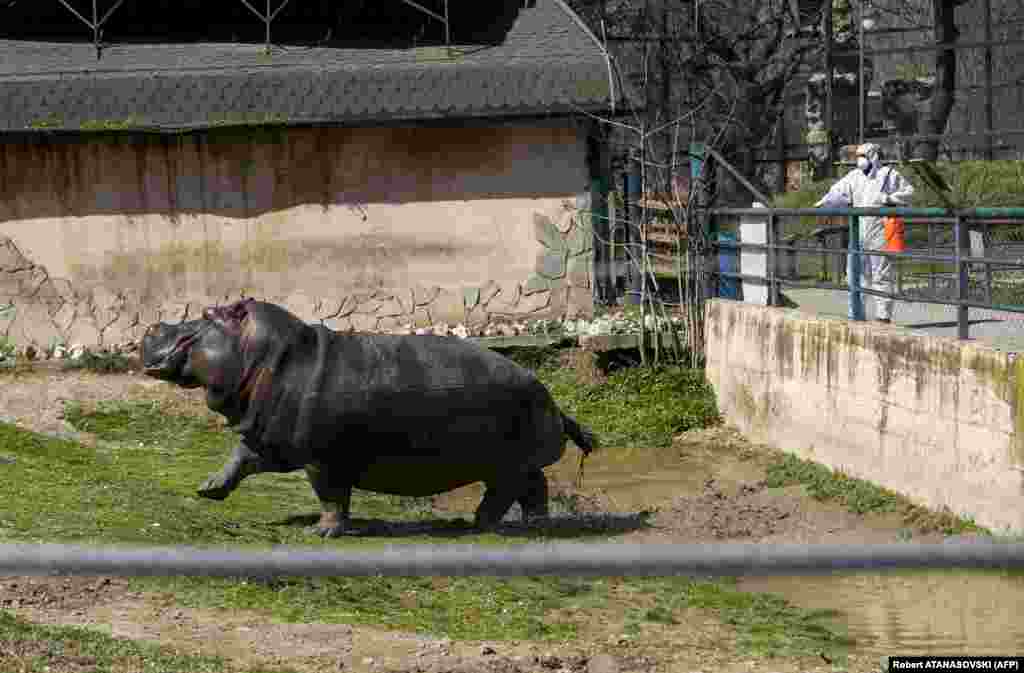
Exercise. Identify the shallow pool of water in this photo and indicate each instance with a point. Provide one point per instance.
(916, 612)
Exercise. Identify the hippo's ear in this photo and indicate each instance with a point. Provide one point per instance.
(231, 315)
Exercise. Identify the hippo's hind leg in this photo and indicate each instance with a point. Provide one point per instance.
(244, 463)
(534, 498)
(498, 498)
(335, 495)
(529, 489)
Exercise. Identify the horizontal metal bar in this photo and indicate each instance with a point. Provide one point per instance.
(875, 293)
(608, 559)
(950, 259)
(973, 213)
(945, 136)
(951, 46)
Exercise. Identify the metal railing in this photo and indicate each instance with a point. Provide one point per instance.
(962, 220)
(564, 558)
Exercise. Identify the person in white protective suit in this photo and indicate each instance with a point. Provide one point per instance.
(872, 185)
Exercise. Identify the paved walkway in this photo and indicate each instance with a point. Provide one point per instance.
(998, 329)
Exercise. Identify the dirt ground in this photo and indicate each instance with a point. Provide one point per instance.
(709, 487)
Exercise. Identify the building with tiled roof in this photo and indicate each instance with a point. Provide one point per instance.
(367, 164)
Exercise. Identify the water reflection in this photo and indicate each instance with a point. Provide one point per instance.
(916, 612)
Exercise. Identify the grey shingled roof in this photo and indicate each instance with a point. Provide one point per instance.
(548, 64)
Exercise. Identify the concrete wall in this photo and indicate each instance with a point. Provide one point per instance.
(939, 421)
(359, 227)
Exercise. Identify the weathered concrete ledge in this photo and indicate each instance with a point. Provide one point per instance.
(937, 420)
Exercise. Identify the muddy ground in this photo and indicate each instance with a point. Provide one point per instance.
(709, 487)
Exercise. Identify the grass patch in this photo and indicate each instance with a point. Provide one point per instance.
(862, 497)
(32, 648)
(765, 625)
(822, 483)
(768, 625)
(632, 406)
(471, 608)
(137, 487)
(637, 406)
(103, 363)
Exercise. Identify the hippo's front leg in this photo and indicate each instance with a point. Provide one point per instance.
(334, 490)
(244, 462)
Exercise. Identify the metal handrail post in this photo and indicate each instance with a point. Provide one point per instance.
(986, 243)
(855, 309)
(962, 277)
(772, 255)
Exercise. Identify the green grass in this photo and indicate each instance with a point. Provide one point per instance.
(641, 406)
(104, 363)
(768, 625)
(137, 487)
(862, 497)
(33, 648)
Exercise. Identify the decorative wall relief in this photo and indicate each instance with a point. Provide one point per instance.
(42, 311)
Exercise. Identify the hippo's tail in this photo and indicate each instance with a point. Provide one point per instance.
(583, 438)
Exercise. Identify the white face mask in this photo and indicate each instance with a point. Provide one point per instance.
(863, 164)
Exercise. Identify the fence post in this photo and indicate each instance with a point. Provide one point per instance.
(600, 233)
(633, 239)
(962, 278)
(772, 256)
(986, 238)
(754, 261)
(855, 309)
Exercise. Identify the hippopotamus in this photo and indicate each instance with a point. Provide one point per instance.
(404, 415)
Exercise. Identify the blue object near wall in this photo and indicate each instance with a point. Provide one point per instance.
(728, 262)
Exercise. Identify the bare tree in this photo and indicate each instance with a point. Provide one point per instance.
(938, 21)
(711, 74)
(735, 58)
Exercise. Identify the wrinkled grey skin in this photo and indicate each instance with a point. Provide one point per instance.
(406, 415)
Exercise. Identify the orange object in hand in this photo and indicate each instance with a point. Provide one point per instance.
(894, 234)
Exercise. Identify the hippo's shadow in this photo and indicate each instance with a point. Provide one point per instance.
(556, 526)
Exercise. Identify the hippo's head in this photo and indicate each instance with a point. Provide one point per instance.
(220, 349)
(167, 349)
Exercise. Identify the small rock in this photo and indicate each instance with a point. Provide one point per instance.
(487, 650)
(369, 661)
(506, 330)
(30, 352)
(602, 663)
(550, 661)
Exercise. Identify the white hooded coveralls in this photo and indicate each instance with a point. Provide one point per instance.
(878, 186)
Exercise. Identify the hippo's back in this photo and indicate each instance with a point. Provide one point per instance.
(448, 410)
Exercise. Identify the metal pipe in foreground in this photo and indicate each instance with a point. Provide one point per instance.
(555, 559)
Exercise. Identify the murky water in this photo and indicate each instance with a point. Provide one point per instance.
(901, 612)
(913, 612)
